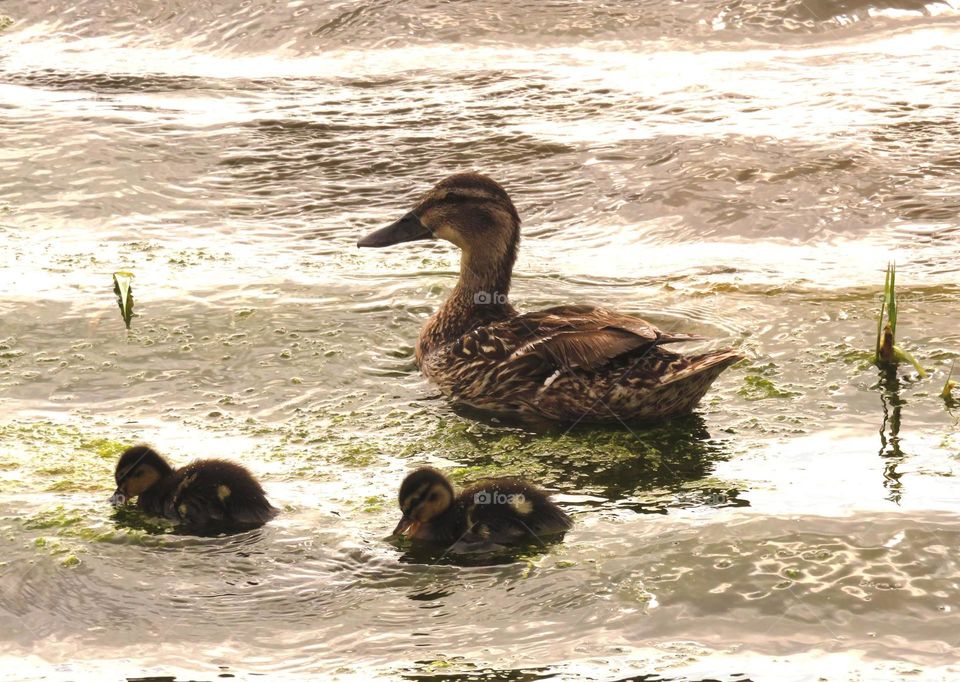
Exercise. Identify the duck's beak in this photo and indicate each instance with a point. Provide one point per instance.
(407, 527)
(407, 229)
(118, 498)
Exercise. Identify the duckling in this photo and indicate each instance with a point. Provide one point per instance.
(567, 363)
(209, 494)
(500, 511)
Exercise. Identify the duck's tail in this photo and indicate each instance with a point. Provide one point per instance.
(704, 368)
(679, 391)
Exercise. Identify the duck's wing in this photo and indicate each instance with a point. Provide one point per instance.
(505, 511)
(564, 336)
(218, 492)
(503, 527)
(190, 502)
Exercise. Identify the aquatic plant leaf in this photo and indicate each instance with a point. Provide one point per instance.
(900, 355)
(883, 308)
(123, 288)
(876, 353)
(887, 350)
(891, 295)
(888, 305)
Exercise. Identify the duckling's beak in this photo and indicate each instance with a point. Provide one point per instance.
(407, 527)
(407, 229)
(118, 498)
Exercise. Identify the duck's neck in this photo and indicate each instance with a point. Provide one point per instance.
(480, 297)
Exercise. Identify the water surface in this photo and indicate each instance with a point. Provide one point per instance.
(739, 170)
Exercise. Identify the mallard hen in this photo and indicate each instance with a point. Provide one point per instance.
(567, 363)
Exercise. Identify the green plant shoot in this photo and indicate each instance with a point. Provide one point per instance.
(887, 352)
(891, 295)
(950, 384)
(888, 305)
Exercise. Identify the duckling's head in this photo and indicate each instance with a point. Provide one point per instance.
(425, 494)
(469, 210)
(139, 469)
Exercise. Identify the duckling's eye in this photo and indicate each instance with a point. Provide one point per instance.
(433, 497)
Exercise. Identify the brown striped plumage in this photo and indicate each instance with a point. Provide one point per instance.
(568, 363)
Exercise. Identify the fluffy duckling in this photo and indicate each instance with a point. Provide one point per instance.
(209, 494)
(566, 363)
(499, 511)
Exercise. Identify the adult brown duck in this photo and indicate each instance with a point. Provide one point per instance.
(568, 363)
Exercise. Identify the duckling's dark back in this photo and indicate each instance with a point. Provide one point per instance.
(217, 492)
(508, 510)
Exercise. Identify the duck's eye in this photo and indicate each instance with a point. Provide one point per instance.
(433, 497)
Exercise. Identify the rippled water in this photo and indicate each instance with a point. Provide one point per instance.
(739, 169)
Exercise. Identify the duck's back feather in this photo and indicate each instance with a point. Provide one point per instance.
(212, 492)
(562, 361)
(563, 337)
(505, 511)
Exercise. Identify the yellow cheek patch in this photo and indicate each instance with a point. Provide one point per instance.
(182, 509)
(223, 492)
(522, 505)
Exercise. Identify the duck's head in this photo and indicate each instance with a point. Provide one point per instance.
(139, 469)
(469, 210)
(425, 494)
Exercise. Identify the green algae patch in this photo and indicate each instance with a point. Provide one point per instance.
(55, 547)
(474, 474)
(58, 517)
(311, 445)
(71, 530)
(138, 525)
(70, 561)
(85, 524)
(374, 504)
(591, 459)
(357, 455)
(44, 455)
(760, 388)
(104, 448)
